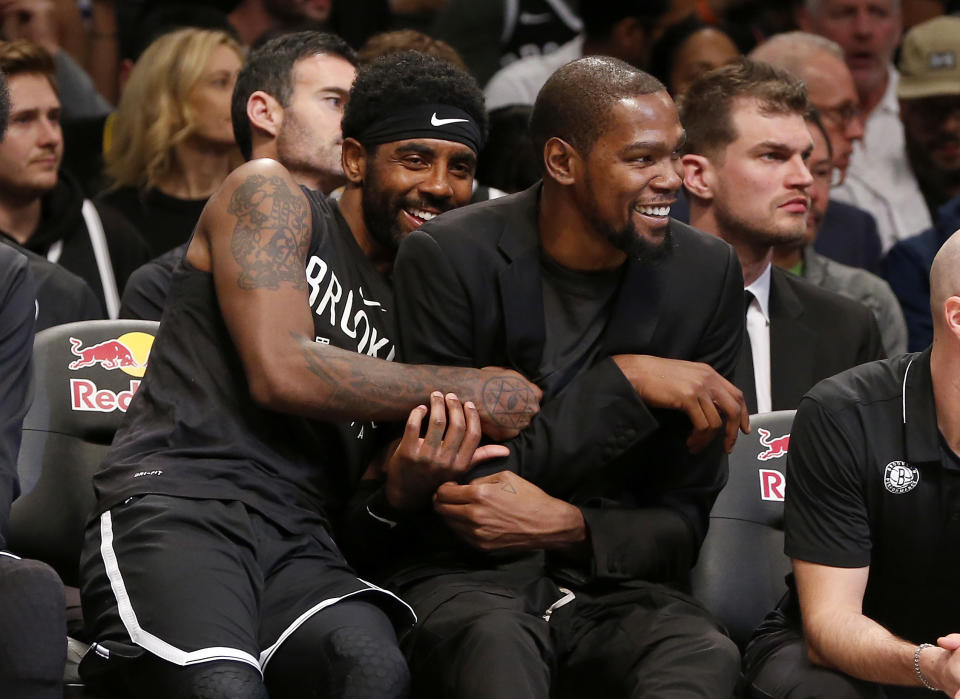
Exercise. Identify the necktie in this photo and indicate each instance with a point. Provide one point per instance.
(743, 375)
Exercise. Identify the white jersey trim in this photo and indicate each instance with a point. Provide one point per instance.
(138, 634)
(267, 654)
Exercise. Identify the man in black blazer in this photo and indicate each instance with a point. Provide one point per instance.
(745, 172)
(562, 567)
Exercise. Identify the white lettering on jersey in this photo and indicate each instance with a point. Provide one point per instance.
(354, 323)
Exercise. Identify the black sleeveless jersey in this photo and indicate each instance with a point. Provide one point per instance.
(193, 430)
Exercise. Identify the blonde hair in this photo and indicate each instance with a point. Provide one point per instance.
(153, 115)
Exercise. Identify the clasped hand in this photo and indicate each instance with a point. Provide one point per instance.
(448, 449)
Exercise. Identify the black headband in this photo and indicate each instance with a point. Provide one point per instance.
(424, 121)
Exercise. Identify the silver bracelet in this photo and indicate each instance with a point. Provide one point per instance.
(916, 666)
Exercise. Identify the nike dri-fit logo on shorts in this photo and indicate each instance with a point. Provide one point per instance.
(443, 122)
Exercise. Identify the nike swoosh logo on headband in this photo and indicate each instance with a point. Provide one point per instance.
(443, 122)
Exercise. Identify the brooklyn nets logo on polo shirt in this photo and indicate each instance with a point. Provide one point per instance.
(900, 477)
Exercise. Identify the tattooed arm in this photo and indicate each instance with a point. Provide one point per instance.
(253, 237)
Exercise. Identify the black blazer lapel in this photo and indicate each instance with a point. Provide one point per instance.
(792, 345)
(521, 296)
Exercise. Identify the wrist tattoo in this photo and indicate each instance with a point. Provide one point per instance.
(508, 400)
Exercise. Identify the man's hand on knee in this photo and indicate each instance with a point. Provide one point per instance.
(709, 400)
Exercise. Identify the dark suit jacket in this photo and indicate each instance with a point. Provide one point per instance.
(469, 293)
(814, 334)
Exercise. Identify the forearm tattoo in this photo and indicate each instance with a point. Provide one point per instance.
(369, 388)
(272, 234)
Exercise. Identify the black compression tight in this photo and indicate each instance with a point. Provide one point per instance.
(152, 678)
(347, 651)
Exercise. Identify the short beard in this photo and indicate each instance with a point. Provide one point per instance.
(935, 183)
(730, 223)
(636, 246)
(381, 222)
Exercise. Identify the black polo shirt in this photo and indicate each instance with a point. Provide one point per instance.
(872, 483)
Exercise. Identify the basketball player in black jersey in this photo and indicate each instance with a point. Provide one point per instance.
(208, 570)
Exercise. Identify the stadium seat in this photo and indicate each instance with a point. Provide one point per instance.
(740, 573)
(84, 375)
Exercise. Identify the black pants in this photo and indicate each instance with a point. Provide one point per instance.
(33, 630)
(776, 666)
(480, 637)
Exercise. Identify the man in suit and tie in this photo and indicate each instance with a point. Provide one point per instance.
(559, 570)
(745, 171)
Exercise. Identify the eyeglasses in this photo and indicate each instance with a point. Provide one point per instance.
(840, 116)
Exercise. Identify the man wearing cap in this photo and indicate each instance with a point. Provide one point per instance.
(208, 569)
(871, 525)
(930, 109)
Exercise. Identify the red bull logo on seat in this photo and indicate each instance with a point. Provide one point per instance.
(772, 485)
(775, 448)
(111, 354)
(128, 353)
(86, 397)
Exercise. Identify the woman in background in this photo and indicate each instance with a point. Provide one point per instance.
(688, 49)
(172, 142)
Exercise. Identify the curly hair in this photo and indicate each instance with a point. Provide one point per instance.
(406, 79)
(153, 115)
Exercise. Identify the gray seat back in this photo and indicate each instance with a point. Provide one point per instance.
(84, 375)
(740, 572)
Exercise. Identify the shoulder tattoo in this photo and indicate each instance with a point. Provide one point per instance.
(272, 233)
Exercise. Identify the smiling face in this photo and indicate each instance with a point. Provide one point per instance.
(407, 183)
(631, 176)
(32, 146)
(760, 181)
